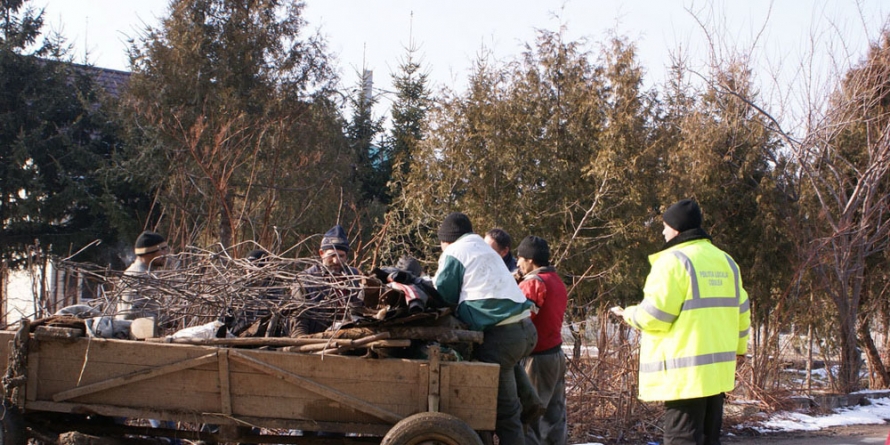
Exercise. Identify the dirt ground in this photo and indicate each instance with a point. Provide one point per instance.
(846, 435)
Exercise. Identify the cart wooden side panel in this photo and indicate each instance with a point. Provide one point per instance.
(266, 388)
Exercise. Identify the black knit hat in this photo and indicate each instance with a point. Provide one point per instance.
(149, 242)
(683, 215)
(335, 239)
(454, 226)
(535, 249)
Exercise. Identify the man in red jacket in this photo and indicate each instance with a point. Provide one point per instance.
(546, 367)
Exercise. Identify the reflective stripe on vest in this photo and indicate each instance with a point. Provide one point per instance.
(685, 362)
(696, 302)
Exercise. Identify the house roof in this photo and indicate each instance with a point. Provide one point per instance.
(112, 81)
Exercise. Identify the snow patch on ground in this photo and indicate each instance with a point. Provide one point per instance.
(877, 412)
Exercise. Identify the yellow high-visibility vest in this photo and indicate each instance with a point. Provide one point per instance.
(694, 319)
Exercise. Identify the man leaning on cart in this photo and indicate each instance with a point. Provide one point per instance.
(472, 277)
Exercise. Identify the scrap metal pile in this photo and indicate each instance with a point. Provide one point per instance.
(263, 304)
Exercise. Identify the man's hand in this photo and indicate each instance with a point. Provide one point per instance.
(617, 311)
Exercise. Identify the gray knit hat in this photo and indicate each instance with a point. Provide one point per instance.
(335, 238)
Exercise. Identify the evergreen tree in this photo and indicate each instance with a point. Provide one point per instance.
(409, 115)
(623, 167)
(53, 137)
(713, 147)
(373, 163)
(460, 163)
(233, 120)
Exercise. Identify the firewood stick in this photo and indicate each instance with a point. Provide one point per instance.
(440, 334)
(395, 343)
(247, 341)
(338, 343)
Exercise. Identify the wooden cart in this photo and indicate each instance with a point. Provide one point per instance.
(89, 385)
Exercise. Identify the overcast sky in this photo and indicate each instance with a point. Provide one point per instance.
(374, 33)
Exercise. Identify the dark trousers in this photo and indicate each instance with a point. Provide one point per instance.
(547, 373)
(506, 346)
(693, 421)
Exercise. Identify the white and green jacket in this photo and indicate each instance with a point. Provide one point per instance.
(473, 278)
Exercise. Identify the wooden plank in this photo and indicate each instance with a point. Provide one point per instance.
(389, 371)
(148, 397)
(5, 338)
(90, 371)
(469, 392)
(134, 377)
(375, 381)
(389, 389)
(259, 341)
(423, 388)
(389, 378)
(167, 392)
(319, 409)
(433, 386)
(130, 412)
(33, 380)
(103, 362)
(123, 351)
(256, 383)
(57, 333)
(473, 374)
(323, 390)
(225, 394)
(191, 380)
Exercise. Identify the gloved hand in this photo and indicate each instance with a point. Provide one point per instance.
(401, 276)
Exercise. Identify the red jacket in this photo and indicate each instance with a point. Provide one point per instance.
(545, 289)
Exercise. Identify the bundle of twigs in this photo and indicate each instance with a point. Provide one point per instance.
(196, 287)
(264, 298)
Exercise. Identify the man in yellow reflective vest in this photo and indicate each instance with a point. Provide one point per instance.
(694, 322)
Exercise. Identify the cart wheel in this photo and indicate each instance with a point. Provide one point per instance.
(12, 426)
(429, 428)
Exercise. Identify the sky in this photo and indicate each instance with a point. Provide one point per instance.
(451, 34)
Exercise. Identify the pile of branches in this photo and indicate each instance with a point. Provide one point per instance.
(198, 287)
(261, 301)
